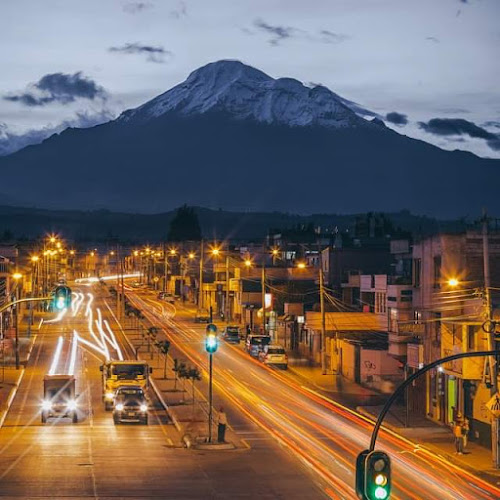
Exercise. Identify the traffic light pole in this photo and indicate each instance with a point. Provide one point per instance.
(210, 409)
(399, 391)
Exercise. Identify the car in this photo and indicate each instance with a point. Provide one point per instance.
(231, 334)
(131, 405)
(202, 316)
(274, 355)
(255, 343)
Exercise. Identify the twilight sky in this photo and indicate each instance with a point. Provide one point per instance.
(430, 68)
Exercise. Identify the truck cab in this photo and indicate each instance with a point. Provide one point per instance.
(59, 399)
(116, 374)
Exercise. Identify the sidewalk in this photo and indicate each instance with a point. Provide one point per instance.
(438, 439)
(10, 377)
(337, 387)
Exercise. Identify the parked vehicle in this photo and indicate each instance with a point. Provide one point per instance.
(274, 355)
(59, 399)
(231, 334)
(255, 344)
(131, 405)
(202, 316)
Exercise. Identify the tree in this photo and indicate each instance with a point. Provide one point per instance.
(164, 347)
(178, 369)
(184, 226)
(193, 374)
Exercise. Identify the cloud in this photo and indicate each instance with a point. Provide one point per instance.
(179, 11)
(458, 126)
(59, 87)
(136, 7)
(278, 33)
(328, 36)
(396, 118)
(154, 54)
(11, 142)
(433, 39)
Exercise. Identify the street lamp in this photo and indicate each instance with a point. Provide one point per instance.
(301, 265)
(453, 282)
(17, 277)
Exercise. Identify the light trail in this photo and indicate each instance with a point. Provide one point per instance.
(57, 355)
(74, 348)
(115, 343)
(88, 309)
(58, 318)
(298, 414)
(91, 345)
(94, 279)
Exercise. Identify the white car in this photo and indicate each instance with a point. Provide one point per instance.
(274, 355)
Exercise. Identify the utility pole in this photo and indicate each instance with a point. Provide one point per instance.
(495, 428)
(227, 288)
(263, 284)
(323, 327)
(165, 267)
(200, 284)
(118, 292)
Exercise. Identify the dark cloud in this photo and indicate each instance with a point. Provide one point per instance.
(491, 124)
(59, 87)
(11, 142)
(433, 39)
(136, 7)
(455, 126)
(154, 54)
(179, 11)
(278, 33)
(494, 143)
(458, 126)
(396, 118)
(328, 36)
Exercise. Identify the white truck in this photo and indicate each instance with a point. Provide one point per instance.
(59, 398)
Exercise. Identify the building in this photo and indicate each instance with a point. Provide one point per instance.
(448, 314)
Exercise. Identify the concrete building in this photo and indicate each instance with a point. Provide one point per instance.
(448, 313)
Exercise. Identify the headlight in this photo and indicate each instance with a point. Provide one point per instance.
(144, 408)
(46, 405)
(109, 396)
(71, 405)
(119, 407)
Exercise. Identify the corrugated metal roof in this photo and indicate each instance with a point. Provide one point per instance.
(345, 321)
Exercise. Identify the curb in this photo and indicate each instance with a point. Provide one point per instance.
(11, 397)
(214, 446)
(14, 390)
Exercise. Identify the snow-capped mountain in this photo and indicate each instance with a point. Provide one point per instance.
(247, 93)
(232, 137)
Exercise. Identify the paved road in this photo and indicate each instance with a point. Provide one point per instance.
(96, 459)
(315, 430)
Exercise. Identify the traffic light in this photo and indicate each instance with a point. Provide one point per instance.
(373, 475)
(377, 476)
(62, 297)
(211, 341)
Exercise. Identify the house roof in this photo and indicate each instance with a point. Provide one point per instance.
(345, 321)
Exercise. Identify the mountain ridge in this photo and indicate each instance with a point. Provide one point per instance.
(230, 159)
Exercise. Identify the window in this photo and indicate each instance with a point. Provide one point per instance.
(417, 271)
(437, 327)
(437, 271)
(471, 338)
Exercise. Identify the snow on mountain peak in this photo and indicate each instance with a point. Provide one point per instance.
(247, 93)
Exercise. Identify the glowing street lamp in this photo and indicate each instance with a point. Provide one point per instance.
(301, 265)
(191, 255)
(34, 258)
(453, 282)
(248, 263)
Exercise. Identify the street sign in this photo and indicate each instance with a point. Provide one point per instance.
(494, 405)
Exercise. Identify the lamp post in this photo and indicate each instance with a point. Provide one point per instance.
(211, 344)
(17, 277)
(302, 265)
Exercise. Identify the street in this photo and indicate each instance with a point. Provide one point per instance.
(96, 459)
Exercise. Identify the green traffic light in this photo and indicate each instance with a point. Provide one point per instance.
(211, 343)
(380, 493)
